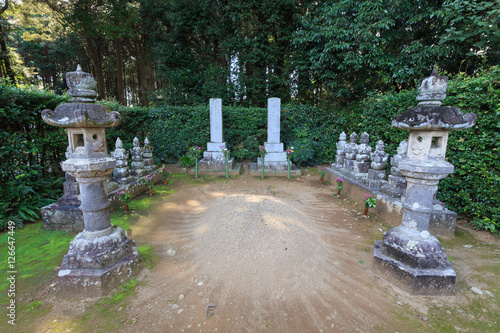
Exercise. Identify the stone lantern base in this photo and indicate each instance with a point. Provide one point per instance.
(417, 265)
(97, 263)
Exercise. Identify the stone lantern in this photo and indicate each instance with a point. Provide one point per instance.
(408, 254)
(101, 256)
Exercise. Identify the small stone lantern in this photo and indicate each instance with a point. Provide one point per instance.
(409, 254)
(100, 257)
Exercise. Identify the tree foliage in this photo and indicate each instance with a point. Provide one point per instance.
(185, 52)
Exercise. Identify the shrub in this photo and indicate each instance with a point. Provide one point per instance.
(30, 153)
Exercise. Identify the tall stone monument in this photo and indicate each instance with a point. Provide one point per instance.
(350, 154)
(362, 163)
(213, 158)
(409, 254)
(147, 156)
(100, 257)
(276, 157)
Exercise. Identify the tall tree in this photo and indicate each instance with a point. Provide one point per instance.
(5, 65)
(359, 46)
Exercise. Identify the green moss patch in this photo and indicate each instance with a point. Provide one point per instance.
(38, 251)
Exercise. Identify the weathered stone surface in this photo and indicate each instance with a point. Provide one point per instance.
(275, 159)
(396, 185)
(434, 118)
(409, 253)
(341, 146)
(213, 159)
(147, 156)
(137, 166)
(62, 217)
(434, 282)
(98, 255)
(350, 153)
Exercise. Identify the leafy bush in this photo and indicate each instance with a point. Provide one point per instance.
(30, 153)
(186, 161)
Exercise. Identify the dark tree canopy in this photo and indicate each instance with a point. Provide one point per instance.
(185, 52)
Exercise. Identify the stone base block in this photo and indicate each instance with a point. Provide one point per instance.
(349, 164)
(362, 177)
(275, 157)
(215, 146)
(443, 223)
(213, 156)
(64, 218)
(339, 162)
(233, 170)
(255, 170)
(215, 164)
(112, 186)
(97, 282)
(418, 281)
(274, 147)
(138, 172)
(361, 167)
(151, 168)
(278, 165)
(123, 180)
(376, 178)
(375, 183)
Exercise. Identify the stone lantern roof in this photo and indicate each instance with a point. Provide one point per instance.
(81, 113)
(429, 114)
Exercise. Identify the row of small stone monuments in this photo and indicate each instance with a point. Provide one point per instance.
(368, 167)
(65, 214)
(353, 160)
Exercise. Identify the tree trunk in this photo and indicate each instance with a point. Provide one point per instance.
(4, 56)
(96, 59)
(119, 72)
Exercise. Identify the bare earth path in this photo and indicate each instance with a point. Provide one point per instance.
(278, 255)
(282, 258)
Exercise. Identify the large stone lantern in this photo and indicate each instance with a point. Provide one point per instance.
(101, 256)
(409, 254)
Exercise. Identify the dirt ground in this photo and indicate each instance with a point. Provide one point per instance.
(273, 255)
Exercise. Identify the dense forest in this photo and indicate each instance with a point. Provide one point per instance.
(184, 52)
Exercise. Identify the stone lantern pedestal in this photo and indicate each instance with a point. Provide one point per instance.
(409, 255)
(101, 257)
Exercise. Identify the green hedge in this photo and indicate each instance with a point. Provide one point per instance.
(30, 153)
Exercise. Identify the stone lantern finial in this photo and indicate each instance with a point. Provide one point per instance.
(82, 86)
(431, 90)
